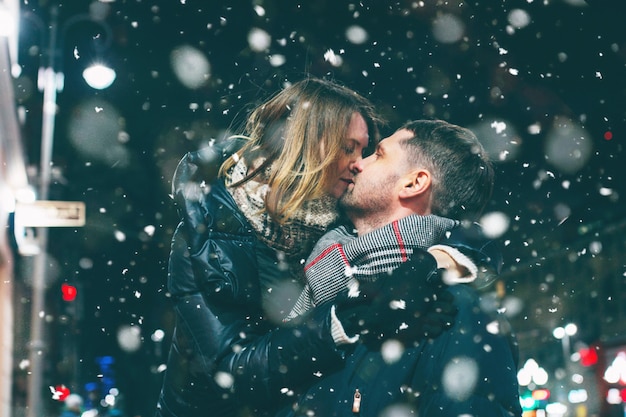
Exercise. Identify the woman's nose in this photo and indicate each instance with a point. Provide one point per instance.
(356, 166)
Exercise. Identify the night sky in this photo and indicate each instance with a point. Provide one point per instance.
(542, 81)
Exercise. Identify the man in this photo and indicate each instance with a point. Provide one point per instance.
(424, 168)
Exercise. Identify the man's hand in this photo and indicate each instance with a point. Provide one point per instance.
(409, 304)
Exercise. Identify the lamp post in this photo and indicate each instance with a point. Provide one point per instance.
(564, 334)
(50, 80)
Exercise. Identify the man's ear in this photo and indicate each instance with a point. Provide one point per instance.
(416, 183)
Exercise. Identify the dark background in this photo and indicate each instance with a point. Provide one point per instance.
(567, 63)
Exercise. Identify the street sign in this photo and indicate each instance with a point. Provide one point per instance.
(45, 213)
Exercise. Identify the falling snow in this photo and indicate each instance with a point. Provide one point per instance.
(539, 83)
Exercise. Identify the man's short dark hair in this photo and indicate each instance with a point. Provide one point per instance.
(463, 175)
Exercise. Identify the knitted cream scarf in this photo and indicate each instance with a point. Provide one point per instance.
(295, 238)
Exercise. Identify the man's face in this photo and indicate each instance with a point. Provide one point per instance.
(377, 180)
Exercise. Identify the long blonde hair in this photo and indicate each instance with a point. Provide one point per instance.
(290, 130)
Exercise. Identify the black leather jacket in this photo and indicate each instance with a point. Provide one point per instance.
(227, 358)
(469, 370)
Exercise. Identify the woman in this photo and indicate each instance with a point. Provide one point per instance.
(251, 208)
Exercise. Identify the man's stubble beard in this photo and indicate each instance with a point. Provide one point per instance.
(373, 203)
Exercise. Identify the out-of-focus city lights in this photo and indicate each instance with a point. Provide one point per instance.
(101, 136)
(99, 76)
(588, 356)
(69, 292)
(559, 333)
(541, 394)
(614, 396)
(531, 372)
(556, 409)
(577, 396)
(569, 330)
(540, 377)
(616, 372)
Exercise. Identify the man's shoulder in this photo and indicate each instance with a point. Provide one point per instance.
(338, 234)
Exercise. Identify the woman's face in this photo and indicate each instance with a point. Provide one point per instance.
(355, 142)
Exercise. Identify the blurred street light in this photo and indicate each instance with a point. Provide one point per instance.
(99, 76)
(564, 334)
(531, 372)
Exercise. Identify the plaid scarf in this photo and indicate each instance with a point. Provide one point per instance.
(340, 256)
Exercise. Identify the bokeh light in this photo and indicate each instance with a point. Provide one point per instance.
(568, 146)
(448, 28)
(190, 66)
(94, 131)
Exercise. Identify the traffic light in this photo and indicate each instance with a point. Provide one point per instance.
(59, 392)
(588, 356)
(68, 292)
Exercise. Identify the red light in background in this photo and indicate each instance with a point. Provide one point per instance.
(608, 135)
(588, 356)
(69, 292)
(60, 392)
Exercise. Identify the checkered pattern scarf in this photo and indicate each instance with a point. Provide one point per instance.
(340, 256)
